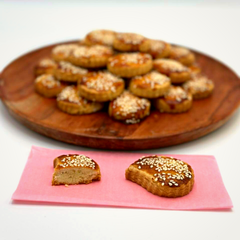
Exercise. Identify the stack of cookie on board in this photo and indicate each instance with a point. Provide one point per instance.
(124, 70)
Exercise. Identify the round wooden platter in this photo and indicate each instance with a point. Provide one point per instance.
(98, 130)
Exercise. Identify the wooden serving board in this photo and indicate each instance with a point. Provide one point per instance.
(98, 130)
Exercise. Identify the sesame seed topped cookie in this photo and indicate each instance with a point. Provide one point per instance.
(150, 85)
(130, 64)
(129, 108)
(183, 55)
(100, 86)
(48, 86)
(175, 100)
(131, 42)
(162, 176)
(101, 37)
(70, 102)
(91, 56)
(200, 86)
(175, 70)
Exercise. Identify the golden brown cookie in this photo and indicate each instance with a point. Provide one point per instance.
(150, 85)
(131, 42)
(95, 56)
(159, 49)
(162, 176)
(130, 64)
(100, 86)
(175, 70)
(63, 51)
(195, 69)
(129, 108)
(200, 87)
(100, 37)
(68, 72)
(69, 101)
(176, 100)
(75, 169)
(182, 55)
(48, 86)
(45, 66)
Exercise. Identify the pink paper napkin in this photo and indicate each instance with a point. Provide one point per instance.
(113, 189)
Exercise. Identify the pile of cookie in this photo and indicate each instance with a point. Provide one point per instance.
(127, 71)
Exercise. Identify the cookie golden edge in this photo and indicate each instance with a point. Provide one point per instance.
(45, 91)
(196, 95)
(40, 70)
(68, 75)
(96, 60)
(146, 180)
(99, 96)
(161, 105)
(48, 92)
(129, 47)
(130, 71)
(91, 62)
(60, 171)
(129, 117)
(147, 92)
(76, 109)
(187, 60)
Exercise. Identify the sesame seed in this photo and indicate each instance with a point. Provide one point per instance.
(76, 160)
(198, 83)
(102, 81)
(102, 36)
(68, 67)
(156, 45)
(171, 164)
(176, 92)
(171, 65)
(47, 63)
(64, 49)
(179, 51)
(48, 81)
(129, 58)
(92, 51)
(128, 103)
(70, 94)
(130, 38)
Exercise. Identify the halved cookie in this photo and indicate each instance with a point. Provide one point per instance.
(68, 72)
(75, 169)
(100, 86)
(129, 108)
(95, 56)
(200, 87)
(45, 66)
(150, 85)
(159, 49)
(131, 42)
(48, 86)
(176, 100)
(69, 101)
(182, 55)
(175, 70)
(130, 64)
(162, 176)
(101, 37)
(62, 52)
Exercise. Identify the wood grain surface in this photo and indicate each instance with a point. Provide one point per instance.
(98, 130)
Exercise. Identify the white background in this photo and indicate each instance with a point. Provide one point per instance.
(208, 26)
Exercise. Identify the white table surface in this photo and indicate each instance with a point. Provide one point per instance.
(213, 29)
